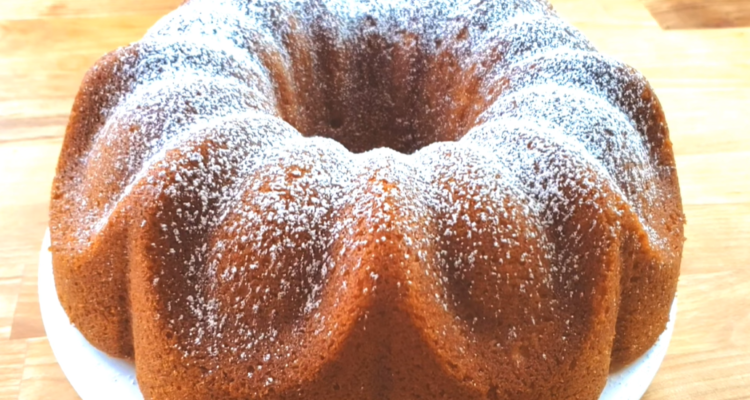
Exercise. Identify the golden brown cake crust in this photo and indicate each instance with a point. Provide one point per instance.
(337, 199)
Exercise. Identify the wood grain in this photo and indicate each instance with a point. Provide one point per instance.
(12, 360)
(41, 9)
(42, 377)
(43, 61)
(695, 14)
(701, 76)
(27, 319)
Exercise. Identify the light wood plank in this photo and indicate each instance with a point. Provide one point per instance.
(42, 376)
(696, 14)
(610, 13)
(27, 319)
(67, 48)
(714, 178)
(31, 39)
(34, 128)
(723, 375)
(714, 275)
(15, 10)
(717, 242)
(12, 359)
(707, 121)
(26, 172)
(10, 287)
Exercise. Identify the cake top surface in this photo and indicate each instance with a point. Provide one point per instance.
(200, 113)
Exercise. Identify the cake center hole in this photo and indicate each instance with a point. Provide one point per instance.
(378, 92)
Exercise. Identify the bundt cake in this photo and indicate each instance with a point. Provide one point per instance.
(331, 199)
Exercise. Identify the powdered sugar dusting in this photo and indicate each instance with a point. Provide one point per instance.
(261, 234)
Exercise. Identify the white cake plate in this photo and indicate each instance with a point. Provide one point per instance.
(95, 375)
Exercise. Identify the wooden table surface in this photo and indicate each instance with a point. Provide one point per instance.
(701, 74)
